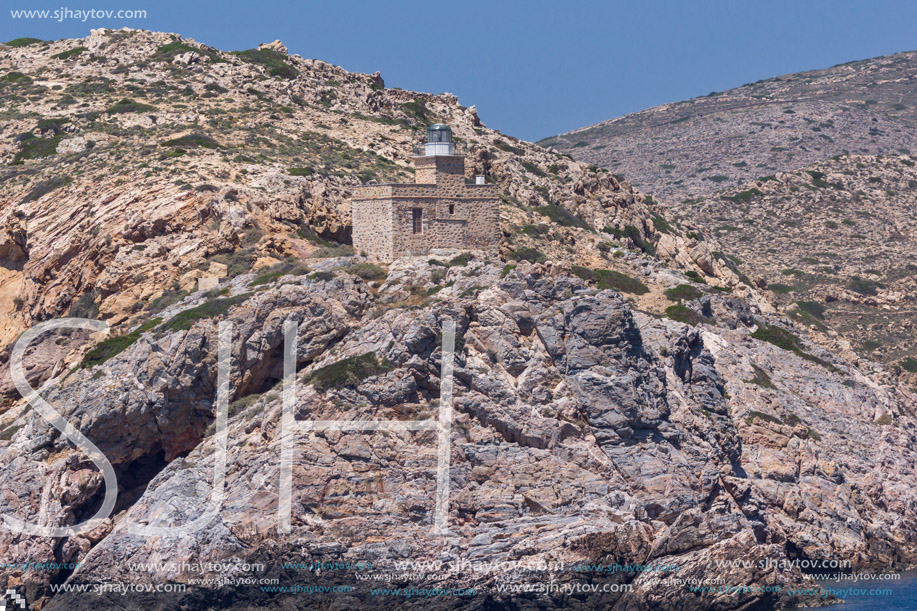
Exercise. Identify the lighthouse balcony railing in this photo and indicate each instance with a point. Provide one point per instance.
(440, 148)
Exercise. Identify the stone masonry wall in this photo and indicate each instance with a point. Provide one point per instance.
(383, 214)
(372, 227)
(445, 170)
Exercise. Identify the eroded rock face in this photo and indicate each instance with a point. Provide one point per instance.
(141, 213)
(585, 432)
(13, 242)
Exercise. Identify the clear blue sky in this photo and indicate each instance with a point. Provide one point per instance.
(533, 68)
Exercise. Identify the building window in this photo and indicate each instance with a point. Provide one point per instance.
(417, 218)
(451, 208)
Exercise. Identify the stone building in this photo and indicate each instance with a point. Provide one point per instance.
(440, 210)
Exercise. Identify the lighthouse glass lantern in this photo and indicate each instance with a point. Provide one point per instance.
(439, 140)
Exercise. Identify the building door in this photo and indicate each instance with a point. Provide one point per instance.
(417, 218)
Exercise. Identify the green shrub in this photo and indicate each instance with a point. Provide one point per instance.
(532, 168)
(781, 289)
(367, 271)
(344, 250)
(509, 148)
(237, 263)
(610, 279)
(744, 196)
(274, 61)
(684, 314)
(193, 140)
(813, 308)
(185, 319)
(8, 433)
(46, 186)
(695, 277)
(659, 223)
(909, 364)
(864, 286)
(252, 236)
(52, 124)
(71, 53)
(23, 42)
(761, 378)
(616, 281)
(563, 217)
(633, 234)
(36, 148)
(167, 52)
(753, 415)
(506, 270)
(113, 346)
(16, 78)
(787, 341)
(165, 300)
(417, 109)
(349, 372)
(461, 260)
(777, 336)
(584, 272)
(528, 254)
(127, 105)
(307, 233)
(285, 268)
(300, 171)
(536, 230)
(683, 292)
(240, 405)
(321, 276)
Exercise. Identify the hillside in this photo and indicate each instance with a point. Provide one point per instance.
(835, 243)
(689, 149)
(138, 162)
(624, 393)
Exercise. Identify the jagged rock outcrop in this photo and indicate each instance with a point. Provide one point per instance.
(585, 432)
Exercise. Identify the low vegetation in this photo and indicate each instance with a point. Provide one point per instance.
(684, 314)
(610, 279)
(31, 147)
(761, 378)
(273, 61)
(127, 105)
(113, 346)
(532, 255)
(185, 319)
(787, 341)
(194, 140)
(683, 292)
(367, 271)
(349, 372)
(563, 217)
(44, 187)
(284, 268)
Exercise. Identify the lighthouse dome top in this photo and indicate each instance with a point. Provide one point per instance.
(439, 132)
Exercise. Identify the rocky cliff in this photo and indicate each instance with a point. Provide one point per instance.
(139, 162)
(623, 393)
